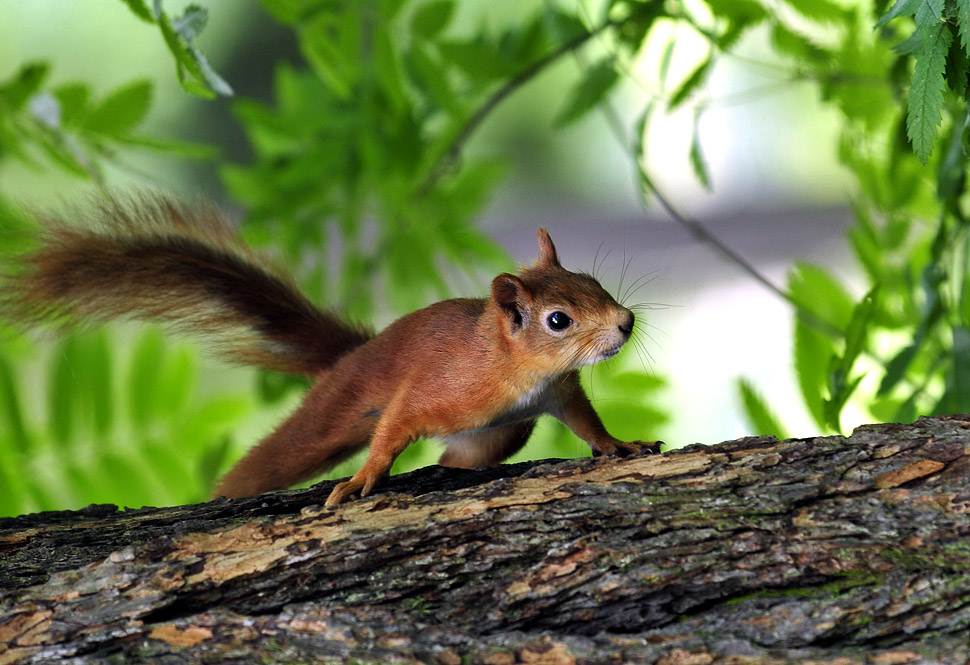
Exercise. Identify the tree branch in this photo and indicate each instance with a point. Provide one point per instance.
(761, 550)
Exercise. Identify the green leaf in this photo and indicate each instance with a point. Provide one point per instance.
(290, 11)
(926, 91)
(194, 72)
(956, 399)
(73, 100)
(123, 480)
(951, 175)
(901, 8)
(818, 291)
(691, 83)
(62, 392)
(856, 336)
(191, 22)
(911, 45)
(523, 45)
(215, 417)
(183, 149)
(146, 363)
(328, 58)
(742, 11)
(214, 82)
(812, 354)
(121, 111)
(822, 11)
(592, 89)
(274, 386)
(759, 415)
(140, 9)
(565, 26)
(697, 161)
(957, 70)
(24, 84)
(666, 57)
(640, 151)
(797, 46)
(176, 381)
(431, 18)
(866, 243)
(92, 373)
(479, 59)
(170, 467)
(928, 13)
(897, 367)
(212, 461)
(963, 24)
(842, 389)
(432, 79)
(10, 499)
(13, 416)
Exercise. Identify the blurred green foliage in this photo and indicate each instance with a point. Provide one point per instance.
(361, 181)
(101, 396)
(903, 348)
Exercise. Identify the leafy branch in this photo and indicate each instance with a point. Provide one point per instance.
(939, 62)
(451, 152)
(192, 68)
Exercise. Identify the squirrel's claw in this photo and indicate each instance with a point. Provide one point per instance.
(644, 447)
(627, 448)
(345, 490)
(356, 487)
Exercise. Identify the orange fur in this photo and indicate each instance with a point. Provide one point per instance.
(475, 372)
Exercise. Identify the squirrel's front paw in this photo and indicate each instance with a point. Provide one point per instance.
(626, 448)
(643, 447)
(357, 487)
(343, 491)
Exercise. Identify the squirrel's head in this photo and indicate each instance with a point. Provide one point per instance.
(560, 319)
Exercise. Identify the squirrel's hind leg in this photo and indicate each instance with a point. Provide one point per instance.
(484, 447)
(305, 445)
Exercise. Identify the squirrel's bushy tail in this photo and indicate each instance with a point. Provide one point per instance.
(155, 259)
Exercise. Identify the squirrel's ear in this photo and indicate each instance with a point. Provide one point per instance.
(547, 251)
(512, 297)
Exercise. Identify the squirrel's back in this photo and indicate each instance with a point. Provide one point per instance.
(151, 258)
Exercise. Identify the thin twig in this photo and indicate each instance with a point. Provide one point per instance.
(450, 154)
(700, 233)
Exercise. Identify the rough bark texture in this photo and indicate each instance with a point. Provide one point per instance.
(831, 549)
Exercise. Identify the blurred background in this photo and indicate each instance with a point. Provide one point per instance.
(751, 150)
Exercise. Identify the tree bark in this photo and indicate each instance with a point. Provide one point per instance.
(833, 549)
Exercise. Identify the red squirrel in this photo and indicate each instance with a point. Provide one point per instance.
(474, 372)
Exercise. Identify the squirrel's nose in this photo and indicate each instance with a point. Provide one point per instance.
(627, 326)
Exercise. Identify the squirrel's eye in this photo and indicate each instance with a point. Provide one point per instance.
(559, 321)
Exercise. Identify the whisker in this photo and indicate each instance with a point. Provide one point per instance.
(596, 256)
(639, 283)
(653, 340)
(646, 361)
(626, 268)
(652, 306)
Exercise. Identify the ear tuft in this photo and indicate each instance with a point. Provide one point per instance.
(547, 251)
(512, 297)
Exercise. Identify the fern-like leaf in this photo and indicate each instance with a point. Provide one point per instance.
(926, 91)
(963, 24)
